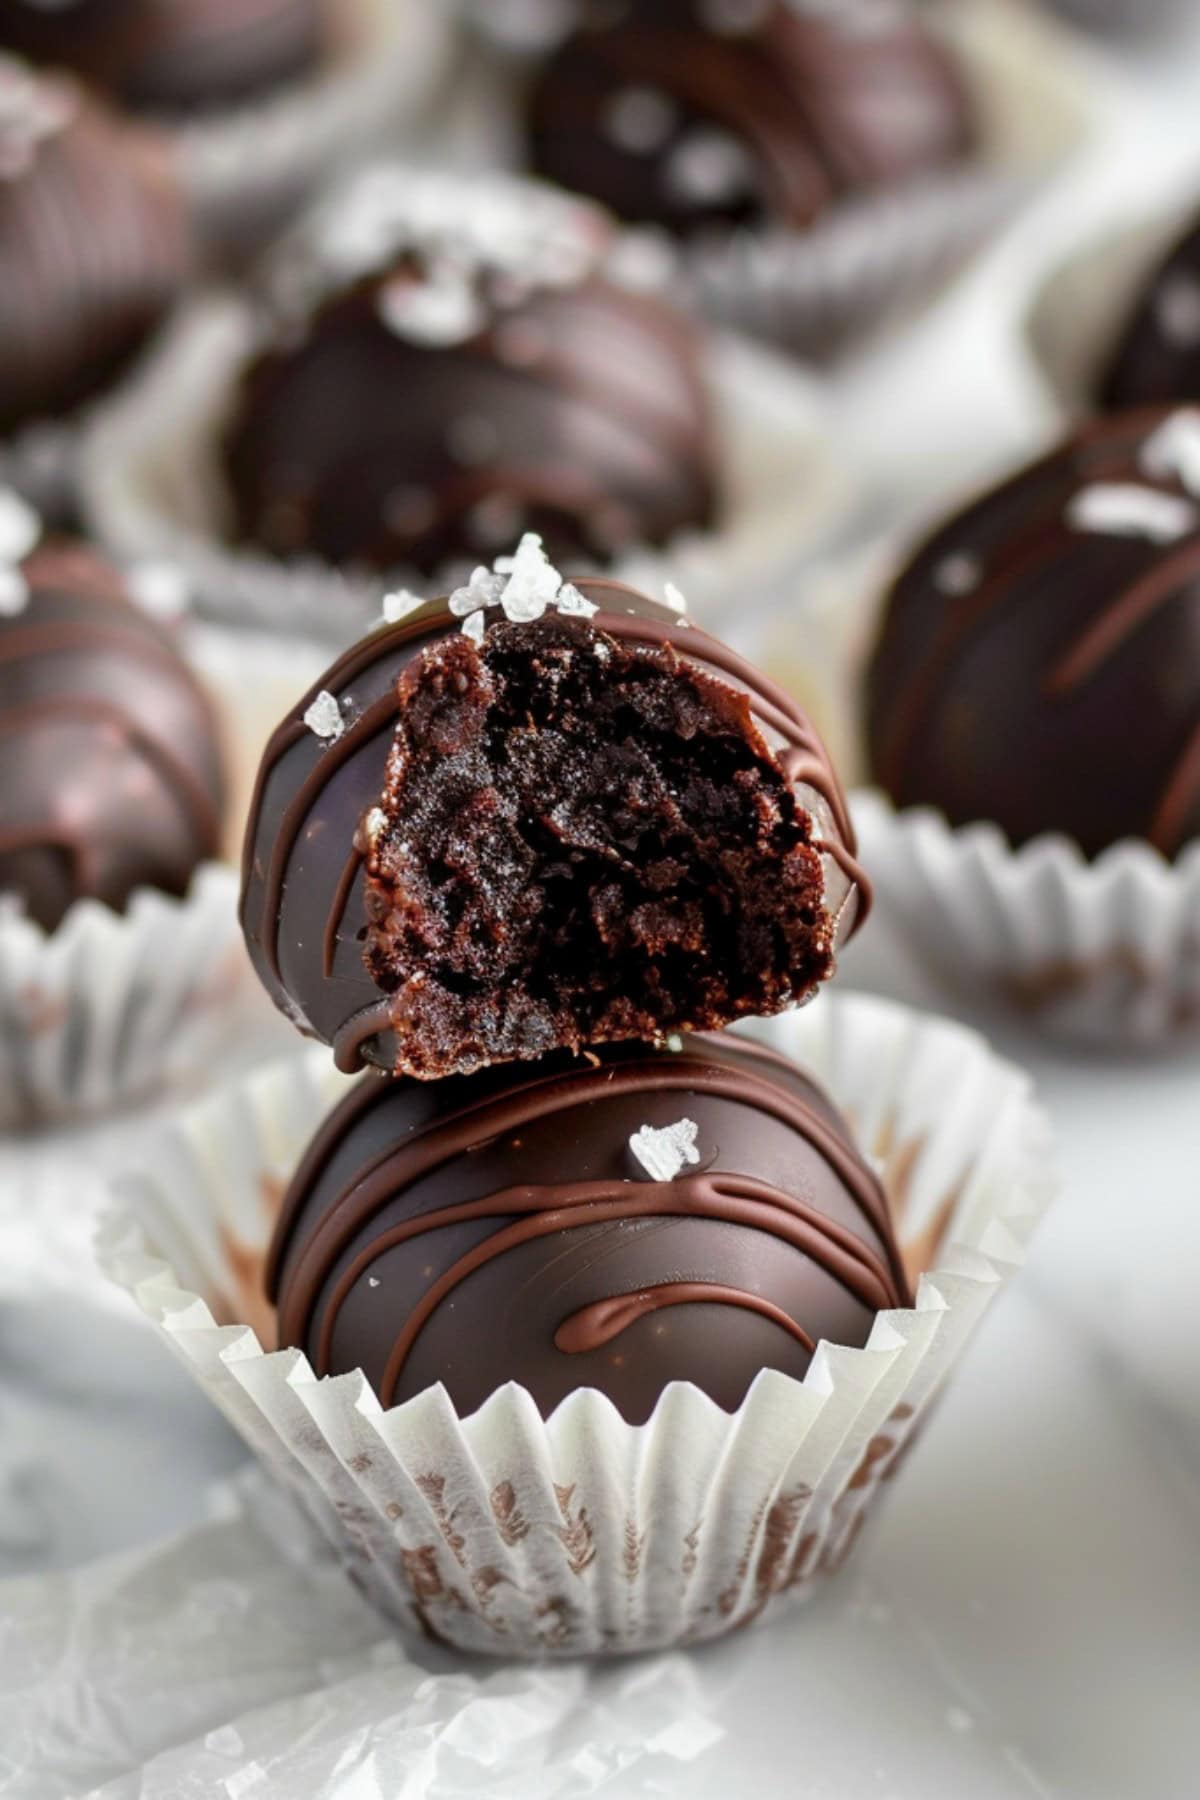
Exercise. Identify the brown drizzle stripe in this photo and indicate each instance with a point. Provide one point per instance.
(733, 1199)
(598, 1324)
(1101, 451)
(876, 1280)
(177, 776)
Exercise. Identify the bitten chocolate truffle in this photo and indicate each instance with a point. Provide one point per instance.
(620, 1222)
(93, 245)
(541, 815)
(1038, 664)
(445, 370)
(170, 56)
(110, 778)
(1157, 360)
(691, 114)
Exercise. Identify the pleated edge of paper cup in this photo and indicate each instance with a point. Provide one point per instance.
(112, 1006)
(1103, 951)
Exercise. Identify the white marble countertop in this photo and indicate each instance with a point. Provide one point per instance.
(1025, 1619)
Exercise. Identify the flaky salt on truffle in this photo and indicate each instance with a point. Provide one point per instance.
(617, 1222)
(1037, 666)
(444, 368)
(557, 814)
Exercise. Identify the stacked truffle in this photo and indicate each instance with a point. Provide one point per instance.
(526, 851)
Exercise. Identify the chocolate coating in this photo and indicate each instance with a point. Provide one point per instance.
(1037, 665)
(431, 412)
(563, 889)
(1157, 360)
(170, 56)
(698, 113)
(93, 245)
(498, 1227)
(110, 778)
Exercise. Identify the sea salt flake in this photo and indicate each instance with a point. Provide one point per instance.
(474, 627)
(574, 604)
(324, 717)
(397, 606)
(14, 593)
(375, 824)
(674, 598)
(1173, 451)
(483, 589)
(958, 574)
(533, 581)
(20, 527)
(160, 589)
(442, 310)
(664, 1151)
(1122, 509)
(1177, 311)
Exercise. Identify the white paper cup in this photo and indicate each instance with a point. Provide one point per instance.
(1104, 953)
(511, 1535)
(248, 170)
(154, 488)
(875, 258)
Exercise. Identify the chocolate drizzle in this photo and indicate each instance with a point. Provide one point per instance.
(109, 773)
(670, 119)
(417, 1206)
(303, 907)
(1051, 690)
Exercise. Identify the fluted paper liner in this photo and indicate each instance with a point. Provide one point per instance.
(111, 1007)
(1103, 952)
(154, 488)
(511, 1535)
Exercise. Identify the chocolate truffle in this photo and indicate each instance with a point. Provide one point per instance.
(617, 1222)
(1038, 664)
(692, 114)
(170, 56)
(454, 373)
(541, 816)
(110, 779)
(1157, 361)
(93, 245)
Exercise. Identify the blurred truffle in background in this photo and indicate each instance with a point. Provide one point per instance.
(1037, 665)
(695, 114)
(171, 56)
(1157, 358)
(445, 368)
(110, 774)
(94, 244)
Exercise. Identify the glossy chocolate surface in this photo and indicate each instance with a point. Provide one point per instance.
(304, 903)
(1157, 360)
(93, 245)
(699, 113)
(110, 778)
(168, 56)
(1038, 660)
(427, 419)
(499, 1227)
